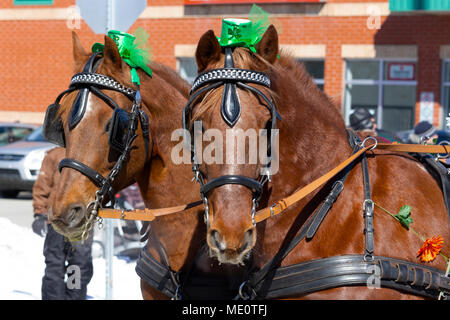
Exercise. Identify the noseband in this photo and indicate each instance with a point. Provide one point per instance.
(121, 135)
(231, 78)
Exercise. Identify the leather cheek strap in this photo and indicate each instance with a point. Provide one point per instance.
(93, 175)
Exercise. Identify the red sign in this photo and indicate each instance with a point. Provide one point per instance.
(189, 2)
(401, 71)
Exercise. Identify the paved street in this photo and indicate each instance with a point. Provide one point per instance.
(18, 210)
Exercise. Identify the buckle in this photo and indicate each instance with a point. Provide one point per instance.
(368, 207)
(283, 206)
(271, 209)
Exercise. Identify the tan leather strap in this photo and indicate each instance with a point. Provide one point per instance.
(418, 148)
(146, 214)
(283, 204)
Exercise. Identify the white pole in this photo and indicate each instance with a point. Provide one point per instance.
(109, 254)
(109, 223)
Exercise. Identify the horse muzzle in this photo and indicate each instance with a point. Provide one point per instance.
(70, 221)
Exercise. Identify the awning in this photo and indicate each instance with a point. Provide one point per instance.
(423, 5)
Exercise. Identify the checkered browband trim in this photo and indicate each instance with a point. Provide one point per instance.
(101, 80)
(229, 75)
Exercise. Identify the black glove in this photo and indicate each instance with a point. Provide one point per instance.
(39, 225)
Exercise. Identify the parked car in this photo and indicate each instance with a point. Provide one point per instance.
(20, 163)
(14, 131)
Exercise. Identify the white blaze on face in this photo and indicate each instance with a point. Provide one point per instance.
(88, 105)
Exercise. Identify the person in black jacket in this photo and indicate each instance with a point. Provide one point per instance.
(62, 258)
(362, 120)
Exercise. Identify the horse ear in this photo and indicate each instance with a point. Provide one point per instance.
(208, 49)
(111, 54)
(79, 53)
(268, 46)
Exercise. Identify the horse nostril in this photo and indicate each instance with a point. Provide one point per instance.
(74, 215)
(215, 240)
(248, 239)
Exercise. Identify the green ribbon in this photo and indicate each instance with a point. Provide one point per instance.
(130, 51)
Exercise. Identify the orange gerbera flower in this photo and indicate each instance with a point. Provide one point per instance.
(430, 248)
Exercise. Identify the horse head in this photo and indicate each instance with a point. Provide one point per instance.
(231, 102)
(91, 119)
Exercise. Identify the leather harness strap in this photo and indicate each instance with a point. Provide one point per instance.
(273, 281)
(351, 270)
(146, 214)
(283, 204)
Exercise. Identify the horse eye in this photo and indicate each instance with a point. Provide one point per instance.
(108, 125)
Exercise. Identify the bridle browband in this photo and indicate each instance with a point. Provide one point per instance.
(86, 82)
(231, 78)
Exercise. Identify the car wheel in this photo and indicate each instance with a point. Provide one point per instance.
(10, 193)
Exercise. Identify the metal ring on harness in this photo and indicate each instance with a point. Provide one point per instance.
(369, 138)
(241, 293)
(445, 155)
(177, 295)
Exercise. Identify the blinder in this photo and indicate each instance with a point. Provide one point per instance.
(53, 129)
(119, 129)
(86, 82)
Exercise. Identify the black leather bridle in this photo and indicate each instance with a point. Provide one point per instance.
(122, 130)
(231, 78)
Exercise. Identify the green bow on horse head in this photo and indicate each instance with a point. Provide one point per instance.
(245, 32)
(134, 53)
(239, 33)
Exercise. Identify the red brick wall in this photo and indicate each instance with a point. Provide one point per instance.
(37, 55)
(56, 4)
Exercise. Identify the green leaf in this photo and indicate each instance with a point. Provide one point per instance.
(404, 216)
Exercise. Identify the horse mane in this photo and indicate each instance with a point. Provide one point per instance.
(288, 76)
(172, 77)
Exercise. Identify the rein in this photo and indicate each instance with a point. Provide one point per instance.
(285, 203)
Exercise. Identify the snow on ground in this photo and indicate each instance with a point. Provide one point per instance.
(22, 267)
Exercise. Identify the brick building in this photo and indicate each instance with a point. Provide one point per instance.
(392, 57)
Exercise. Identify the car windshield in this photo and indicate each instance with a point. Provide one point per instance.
(36, 135)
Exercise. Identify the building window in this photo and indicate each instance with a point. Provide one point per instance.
(386, 88)
(446, 90)
(316, 69)
(187, 68)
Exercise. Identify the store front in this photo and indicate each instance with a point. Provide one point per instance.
(387, 88)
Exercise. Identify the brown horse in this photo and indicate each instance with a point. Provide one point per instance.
(162, 183)
(312, 140)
